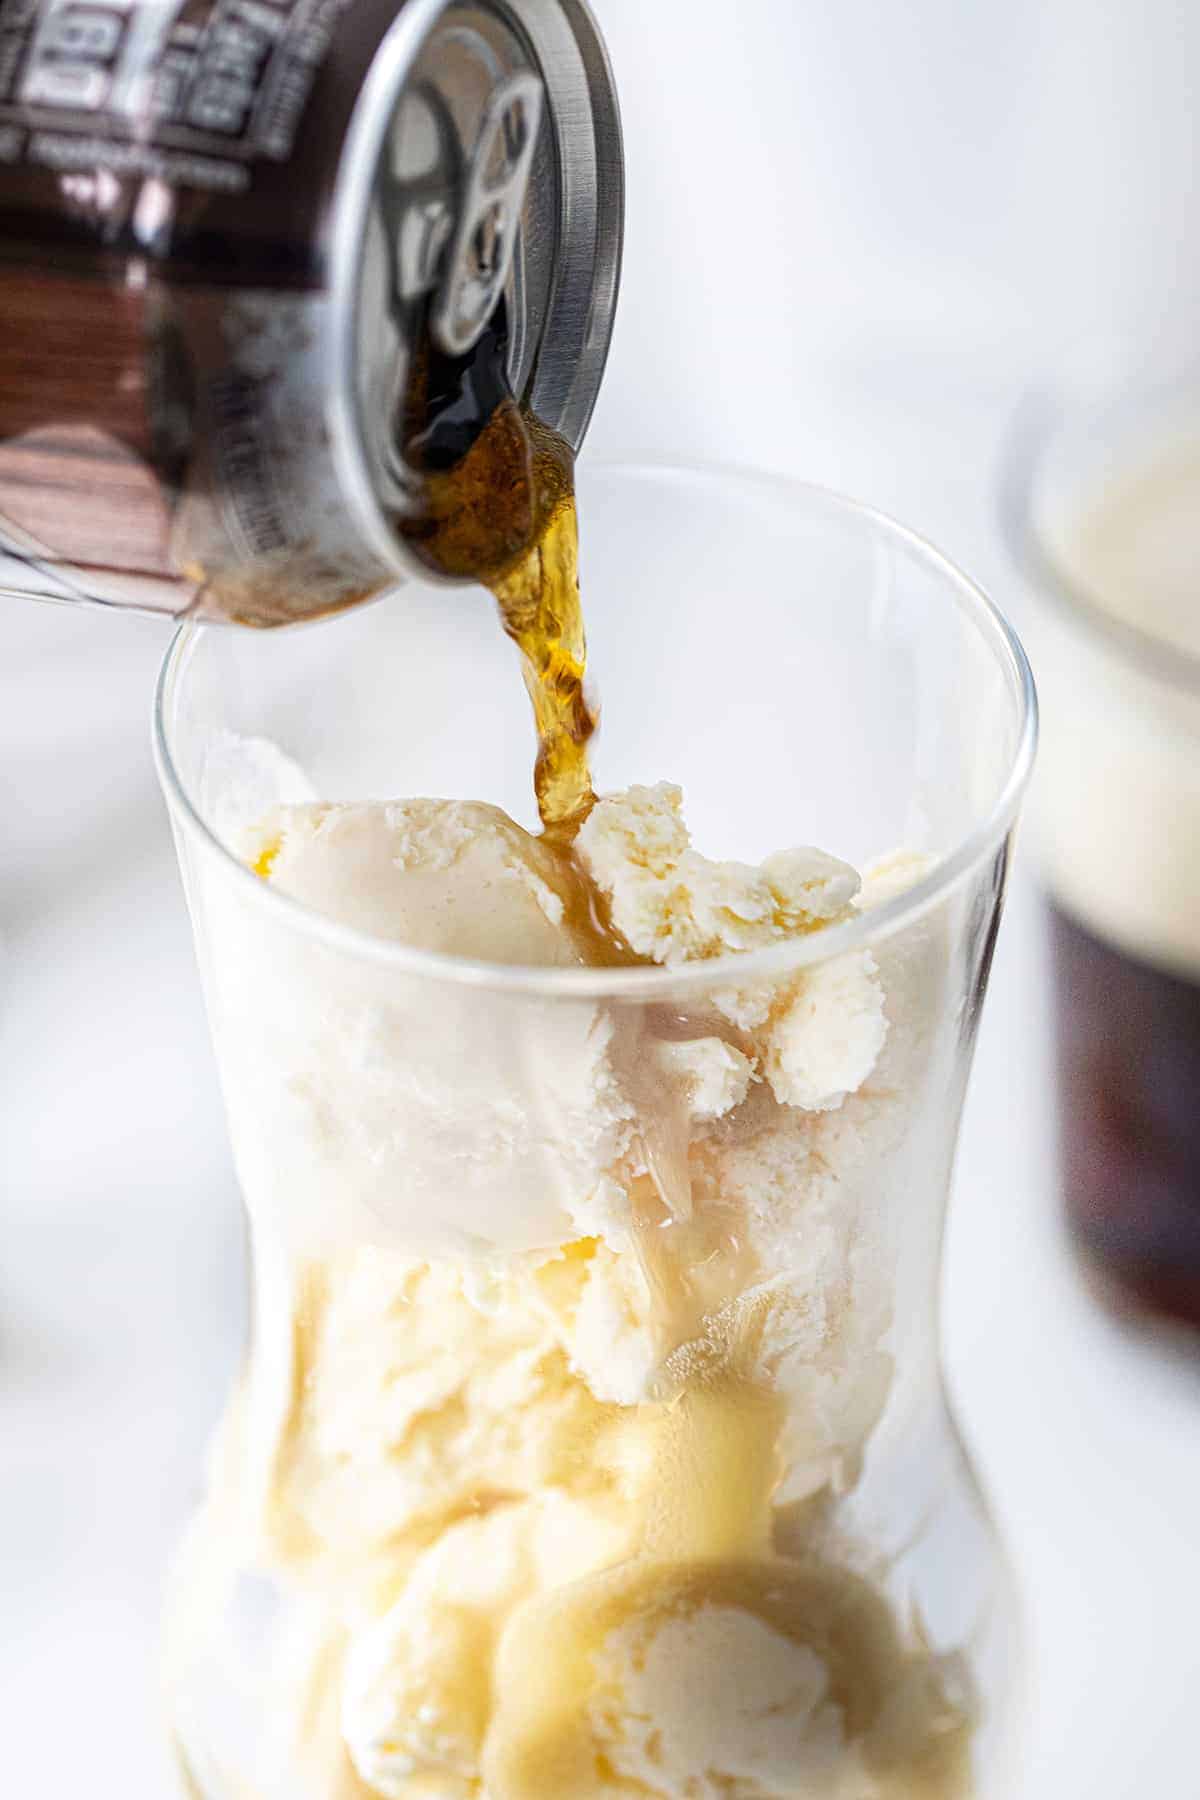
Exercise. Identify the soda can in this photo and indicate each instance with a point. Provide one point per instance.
(223, 225)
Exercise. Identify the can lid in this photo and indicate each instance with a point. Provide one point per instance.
(483, 159)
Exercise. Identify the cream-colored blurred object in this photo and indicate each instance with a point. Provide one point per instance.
(1135, 549)
(1118, 819)
(572, 1345)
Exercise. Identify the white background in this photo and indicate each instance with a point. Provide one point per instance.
(857, 231)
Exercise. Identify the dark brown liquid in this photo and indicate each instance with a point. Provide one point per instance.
(499, 508)
(1128, 1044)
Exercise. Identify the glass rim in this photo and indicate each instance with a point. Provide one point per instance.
(652, 983)
(1041, 419)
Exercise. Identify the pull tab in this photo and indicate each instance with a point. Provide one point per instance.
(486, 233)
(416, 185)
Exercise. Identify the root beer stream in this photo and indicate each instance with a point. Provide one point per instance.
(500, 509)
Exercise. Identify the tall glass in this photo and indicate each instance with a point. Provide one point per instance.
(454, 1543)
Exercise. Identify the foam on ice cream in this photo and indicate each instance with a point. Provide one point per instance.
(589, 1305)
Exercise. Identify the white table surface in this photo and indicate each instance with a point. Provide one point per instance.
(121, 1285)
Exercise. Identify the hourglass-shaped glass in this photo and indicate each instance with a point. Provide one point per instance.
(592, 1439)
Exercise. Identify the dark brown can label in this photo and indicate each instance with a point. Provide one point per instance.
(166, 179)
(191, 95)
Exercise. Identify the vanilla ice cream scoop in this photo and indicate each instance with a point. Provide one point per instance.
(584, 1301)
(416, 1697)
(453, 876)
(355, 1090)
(755, 1681)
